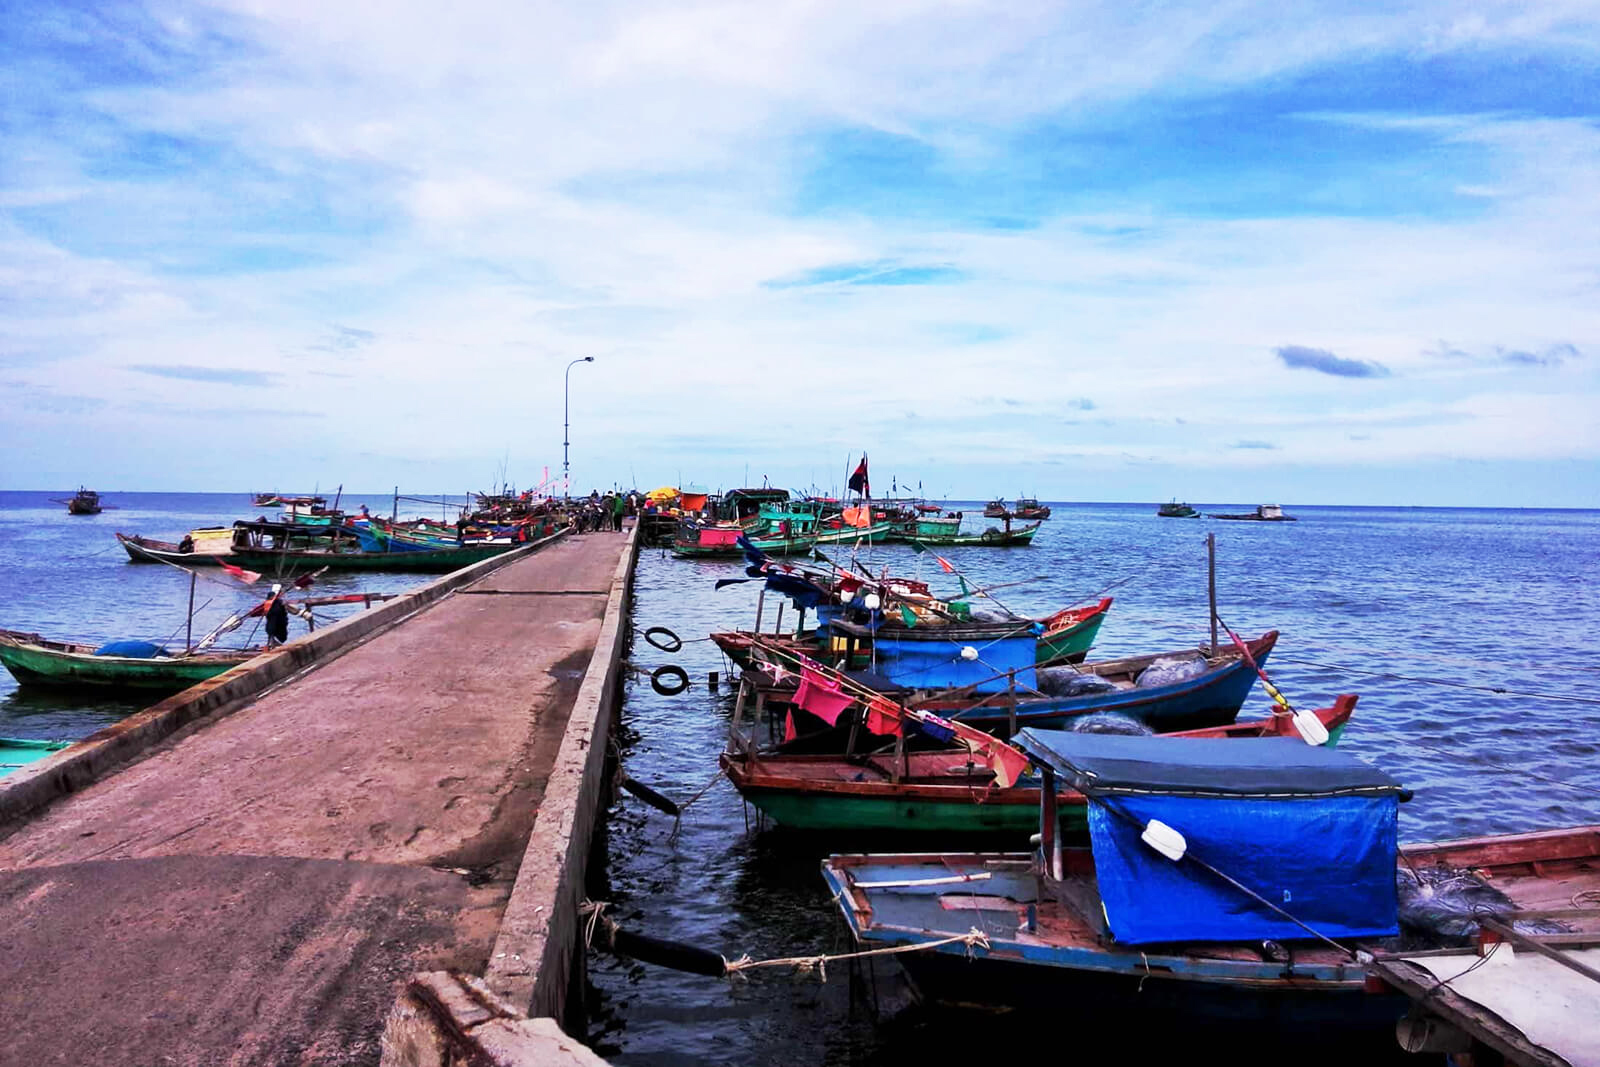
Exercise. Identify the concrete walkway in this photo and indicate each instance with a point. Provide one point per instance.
(256, 891)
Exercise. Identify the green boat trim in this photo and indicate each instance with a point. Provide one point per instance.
(875, 534)
(36, 661)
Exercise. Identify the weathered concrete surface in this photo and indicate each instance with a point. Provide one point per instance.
(256, 891)
(100, 753)
(445, 1019)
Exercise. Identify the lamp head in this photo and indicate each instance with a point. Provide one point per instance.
(588, 359)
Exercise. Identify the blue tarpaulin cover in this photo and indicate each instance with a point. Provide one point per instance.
(1311, 830)
(131, 649)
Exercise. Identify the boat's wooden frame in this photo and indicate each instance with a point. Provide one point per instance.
(37, 661)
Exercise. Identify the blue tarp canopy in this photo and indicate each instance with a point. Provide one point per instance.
(1310, 830)
(1234, 766)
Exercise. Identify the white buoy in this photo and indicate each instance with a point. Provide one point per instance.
(1310, 727)
(873, 601)
(969, 653)
(1164, 839)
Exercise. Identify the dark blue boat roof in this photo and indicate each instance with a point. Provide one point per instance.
(1201, 766)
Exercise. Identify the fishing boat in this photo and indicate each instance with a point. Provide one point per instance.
(1212, 696)
(924, 508)
(208, 545)
(1175, 510)
(1209, 861)
(1262, 513)
(993, 537)
(930, 528)
(695, 540)
(137, 666)
(84, 502)
(1029, 508)
(1070, 633)
(943, 790)
(435, 561)
(19, 752)
(995, 509)
(265, 500)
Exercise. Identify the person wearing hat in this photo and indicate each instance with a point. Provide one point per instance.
(277, 618)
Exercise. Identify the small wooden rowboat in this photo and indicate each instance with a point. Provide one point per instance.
(208, 550)
(993, 537)
(36, 661)
(18, 752)
(941, 791)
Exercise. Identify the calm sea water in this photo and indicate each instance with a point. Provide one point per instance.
(65, 577)
(1388, 603)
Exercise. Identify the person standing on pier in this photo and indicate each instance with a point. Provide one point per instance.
(619, 505)
(277, 618)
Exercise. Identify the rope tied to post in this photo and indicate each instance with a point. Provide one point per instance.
(973, 938)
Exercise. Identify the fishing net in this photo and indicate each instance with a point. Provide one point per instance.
(1069, 682)
(1443, 903)
(1108, 722)
(1171, 669)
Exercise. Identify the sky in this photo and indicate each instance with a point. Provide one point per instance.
(1248, 252)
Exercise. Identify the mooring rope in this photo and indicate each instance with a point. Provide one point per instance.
(806, 964)
(1496, 689)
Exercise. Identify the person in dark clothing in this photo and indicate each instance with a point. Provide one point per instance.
(277, 618)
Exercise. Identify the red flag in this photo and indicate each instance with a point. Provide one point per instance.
(944, 563)
(858, 480)
(240, 573)
(820, 696)
(789, 732)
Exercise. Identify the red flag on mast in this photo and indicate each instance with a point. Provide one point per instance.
(858, 480)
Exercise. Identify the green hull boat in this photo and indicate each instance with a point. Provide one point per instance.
(993, 537)
(428, 561)
(875, 534)
(35, 661)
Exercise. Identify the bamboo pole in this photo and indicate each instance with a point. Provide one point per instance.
(1211, 585)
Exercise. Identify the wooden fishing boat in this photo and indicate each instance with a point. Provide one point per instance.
(266, 500)
(696, 541)
(1175, 510)
(1256, 837)
(35, 661)
(1029, 508)
(928, 509)
(995, 509)
(1262, 513)
(1069, 634)
(1212, 697)
(930, 528)
(18, 752)
(84, 502)
(874, 534)
(210, 545)
(993, 537)
(436, 561)
(943, 790)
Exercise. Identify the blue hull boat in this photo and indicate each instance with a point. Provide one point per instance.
(1210, 698)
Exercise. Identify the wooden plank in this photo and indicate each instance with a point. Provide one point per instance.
(1436, 998)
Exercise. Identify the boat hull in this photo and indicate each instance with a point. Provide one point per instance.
(16, 753)
(438, 561)
(37, 665)
(991, 538)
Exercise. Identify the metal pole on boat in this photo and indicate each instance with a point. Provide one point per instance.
(761, 602)
(188, 627)
(1211, 584)
(566, 389)
(394, 509)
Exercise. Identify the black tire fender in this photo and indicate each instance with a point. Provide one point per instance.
(669, 680)
(663, 638)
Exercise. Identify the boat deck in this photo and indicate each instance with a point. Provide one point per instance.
(252, 892)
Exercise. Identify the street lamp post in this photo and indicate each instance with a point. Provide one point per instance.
(566, 389)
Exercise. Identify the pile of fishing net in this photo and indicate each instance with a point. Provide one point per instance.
(1169, 670)
(1443, 904)
(1108, 722)
(1070, 682)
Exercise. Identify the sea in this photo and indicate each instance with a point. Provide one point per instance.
(1471, 635)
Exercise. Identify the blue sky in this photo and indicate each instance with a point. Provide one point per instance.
(1090, 251)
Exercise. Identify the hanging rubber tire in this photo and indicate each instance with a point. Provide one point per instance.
(670, 680)
(668, 641)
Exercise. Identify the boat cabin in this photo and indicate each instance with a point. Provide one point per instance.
(739, 505)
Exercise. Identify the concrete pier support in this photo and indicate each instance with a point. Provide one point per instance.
(260, 887)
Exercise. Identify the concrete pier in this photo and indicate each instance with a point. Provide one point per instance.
(259, 887)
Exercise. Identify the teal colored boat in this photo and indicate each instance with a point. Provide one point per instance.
(993, 537)
(434, 561)
(35, 661)
(932, 529)
(692, 541)
(942, 791)
(1068, 635)
(1176, 510)
(17, 752)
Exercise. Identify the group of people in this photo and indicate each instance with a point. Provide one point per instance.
(604, 512)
